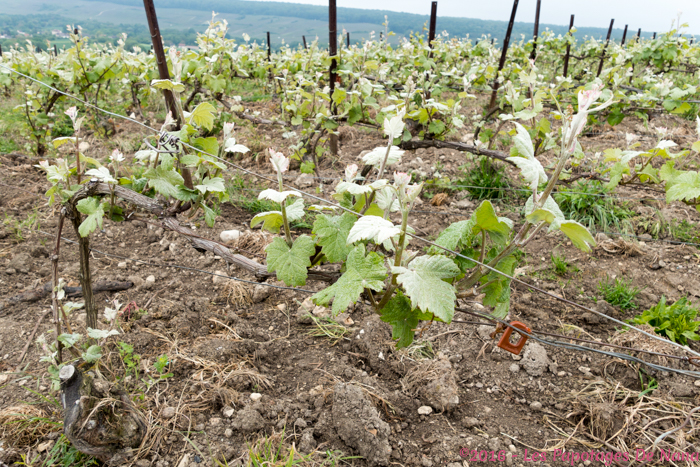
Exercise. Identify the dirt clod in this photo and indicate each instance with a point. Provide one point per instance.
(357, 423)
(535, 359)
(248, 420)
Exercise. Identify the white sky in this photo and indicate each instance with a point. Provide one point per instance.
(650, 15)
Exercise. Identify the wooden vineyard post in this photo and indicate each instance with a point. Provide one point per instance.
(639, 34)
(163, 73)
(431, 38)
(269, 47)
(607, 41)
(0, 50)
(504, 52)
(160, 56)
(568, 49)
(431, 31)
(347, 40)
(654, 37)
(303, 39)
(55, 50)
(624, 36)
(332, 51)
(536, 33)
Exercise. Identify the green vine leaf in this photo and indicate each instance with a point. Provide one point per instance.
(498, 228)
(165, 181)
(402, 318)
(295, 211)
(92, 207)
(361, 272)
(577, 233)
(290, 264)
(214, 185)
(423, 281)
(92, 354)
(456, 236)
(373, 228)
(203, 116)
(332, 234)
(272, 221)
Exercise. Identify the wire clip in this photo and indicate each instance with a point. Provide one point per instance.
(505, 344)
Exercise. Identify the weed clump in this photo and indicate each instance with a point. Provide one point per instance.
(619, 293)
(676, 322)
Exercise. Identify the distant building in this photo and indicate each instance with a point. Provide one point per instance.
(23, 34)
(59, 33)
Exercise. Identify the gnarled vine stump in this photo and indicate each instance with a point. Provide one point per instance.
(99, 419)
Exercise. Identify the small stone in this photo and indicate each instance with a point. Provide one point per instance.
(463, 204)
(585, 370)
(228, 433)
(471, 422)
(216, 421)
(514, 368)
(260, 293)
(4, 378)
(10, 271)
(536, 405)
(150, 280)
(229, 235)
(304, 180)
(426, 462)
(300, 423)
(228, 412)
(168, 412)
(425, 410)
(217, 279)
(45, 446)
(307, 444)
(662, 264)
(512, 449)
(122, 265)
(697, 382)
(256, 396)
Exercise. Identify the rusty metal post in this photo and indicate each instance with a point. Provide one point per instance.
(607, 41)
(504, 52)
(624, 36)
(536, 33)
(568, 49)
(160, 56)
(332, 51)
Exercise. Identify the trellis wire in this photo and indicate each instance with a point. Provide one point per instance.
(532, 335)
(457, 254)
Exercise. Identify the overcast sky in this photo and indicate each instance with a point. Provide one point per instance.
(650, 15)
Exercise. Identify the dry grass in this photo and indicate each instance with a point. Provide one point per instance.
(621, 247)
(637, 340)
(253, 242)
(609, 417)
(235, 293)
(24, 425)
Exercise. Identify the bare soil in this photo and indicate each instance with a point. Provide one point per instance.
(358, 395)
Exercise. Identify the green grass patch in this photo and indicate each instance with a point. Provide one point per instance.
(619, 293)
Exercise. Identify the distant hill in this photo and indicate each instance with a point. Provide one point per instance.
(400, 23)
(180, 20)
